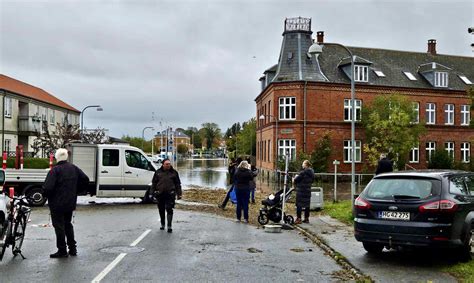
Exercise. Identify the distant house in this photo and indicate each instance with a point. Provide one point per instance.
(25, 107)
(166, 140)
(304, 96)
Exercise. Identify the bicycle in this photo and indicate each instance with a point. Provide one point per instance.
(13, 231)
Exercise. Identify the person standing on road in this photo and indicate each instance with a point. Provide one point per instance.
(61, 187)
(166, 187)
(253, 183)
(384, 165)
(231, 169)
(303, 183)
(242, 178)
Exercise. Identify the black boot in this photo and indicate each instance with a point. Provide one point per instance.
(59, 254)
(170, 219)
(73, 251)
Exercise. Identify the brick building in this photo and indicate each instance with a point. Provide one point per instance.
(304, 96)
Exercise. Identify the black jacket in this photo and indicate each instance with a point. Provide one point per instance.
(303, 183)
(62, 184)
(166, 181)
(242, 178)
(384, 165)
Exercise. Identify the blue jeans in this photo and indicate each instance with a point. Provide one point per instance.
(243, 196)
(252, 194)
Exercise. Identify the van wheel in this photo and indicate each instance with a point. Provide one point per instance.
(373, 248)
(35, 196)
(467, 251)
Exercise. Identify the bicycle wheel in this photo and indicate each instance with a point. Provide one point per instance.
(18, 233)
(6, 238)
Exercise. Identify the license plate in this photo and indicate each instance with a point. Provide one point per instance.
(396, 215)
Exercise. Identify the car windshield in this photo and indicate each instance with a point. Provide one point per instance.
(397, 188)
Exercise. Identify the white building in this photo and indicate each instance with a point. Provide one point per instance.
(25, 107)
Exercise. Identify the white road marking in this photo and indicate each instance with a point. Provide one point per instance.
(117, 260)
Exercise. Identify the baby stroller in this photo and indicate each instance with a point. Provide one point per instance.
(272, 208)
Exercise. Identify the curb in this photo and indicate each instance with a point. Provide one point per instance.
(341, 260)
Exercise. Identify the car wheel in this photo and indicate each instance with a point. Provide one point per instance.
(467, 249)
(373, 248)
(35, 196)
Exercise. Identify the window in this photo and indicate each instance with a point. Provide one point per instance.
(465, 79)
(348, 109)
(430, 149)
(430, 113)
(449, 146)
(52, 117)
(287, 108)
(110, 157)
(416, 109)
(8, 107)
(7, 145)
(410, 76)
(379, 73)
(415, 155)
(470, 184)
(46, 113)
(441, 79)
(348, 150)
(457, 186)
(361, 73)
(387, 188)
(285, 146)
(137, 160)
(449, 114)
(465, 152)
(465, 115)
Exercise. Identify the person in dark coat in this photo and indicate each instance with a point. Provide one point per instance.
(253, 183)
(384, 165)
(242, 178)
(166, 187)
(60, 187)
(303, 183)
(231, 169)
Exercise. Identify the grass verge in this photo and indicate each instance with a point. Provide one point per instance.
(464, 272)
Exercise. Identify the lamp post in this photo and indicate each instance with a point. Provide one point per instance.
(143, 135)
(317, 49)
(262, 117)
(82, 116)
(230, 137)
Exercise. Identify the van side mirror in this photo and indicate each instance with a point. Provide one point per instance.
(2, 177)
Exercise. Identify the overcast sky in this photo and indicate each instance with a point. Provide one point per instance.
(191, 62)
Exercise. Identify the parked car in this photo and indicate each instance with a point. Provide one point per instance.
(418, 209)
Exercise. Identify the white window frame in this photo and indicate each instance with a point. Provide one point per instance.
(449, 147)
(465, 115)
(8, 105)
(287, 108)
(415, 154)
(465, 152)
(449, 114)
(52, 117)
(416, 108)
(361, 73)
(348, 110)
(441, 79)
(7, 144)
(348, 149)
(430, 113)
(285, 145)
(430, 149)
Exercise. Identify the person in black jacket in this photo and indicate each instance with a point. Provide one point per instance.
(242, 178)
(231, 169)
(166, 187)
(303, 183)
(384, 165)
(60, 187)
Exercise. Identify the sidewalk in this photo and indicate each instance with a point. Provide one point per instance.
(388, 267)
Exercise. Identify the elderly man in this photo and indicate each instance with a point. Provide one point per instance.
(385, 165)
(60, 187)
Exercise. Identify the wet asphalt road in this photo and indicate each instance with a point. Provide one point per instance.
(201, 248)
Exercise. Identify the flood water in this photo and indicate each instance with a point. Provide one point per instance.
(212, 174)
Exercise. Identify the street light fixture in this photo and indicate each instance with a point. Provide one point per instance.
(262, 117)
(143, 135)
(99, 108)
(316, 49)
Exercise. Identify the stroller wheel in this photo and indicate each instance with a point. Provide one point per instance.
(262, 219)
(289, 219)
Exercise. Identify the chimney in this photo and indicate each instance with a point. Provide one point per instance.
(432, 46)
(320, 37)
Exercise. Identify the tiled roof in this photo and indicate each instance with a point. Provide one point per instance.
(26, 90)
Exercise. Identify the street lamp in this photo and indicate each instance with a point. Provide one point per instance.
(82, 115)
(143, 135)
(262, 117)
(316, 49)
(230, 137)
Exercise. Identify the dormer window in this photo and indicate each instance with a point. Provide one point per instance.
(361, 73)
(441, 79)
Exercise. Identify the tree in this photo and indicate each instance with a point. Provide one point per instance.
(389, 128)
(440, 159)
(182, 149)
(210, 133)
(138, 142)
(246, 139)
(193, 134)
(322, 152)
(97, 136)
(49, 142)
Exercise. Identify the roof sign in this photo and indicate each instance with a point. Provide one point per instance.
(379, 73)
(465, 79)
(410, 76)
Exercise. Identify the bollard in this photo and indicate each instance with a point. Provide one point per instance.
(51, 161)
(4, 164)
(21, 157)
(12, 192)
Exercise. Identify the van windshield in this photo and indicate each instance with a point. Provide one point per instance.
(402, 188)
